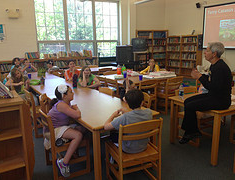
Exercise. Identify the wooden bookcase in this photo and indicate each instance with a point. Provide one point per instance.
(183, 54)
(61, 62)
(157, 42)
(16, 142)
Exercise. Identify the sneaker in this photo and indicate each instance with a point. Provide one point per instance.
(64, 169)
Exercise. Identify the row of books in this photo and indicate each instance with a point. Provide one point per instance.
(173, 48)
(190, 40)
(4, 91)
(189, 48)
(159, 42)
(159, 56)
(188, 64)
(190, 56)
(173, 63)
(173, 40)
(157, 49)
(173, 56)
(32, 55)
(5, 67)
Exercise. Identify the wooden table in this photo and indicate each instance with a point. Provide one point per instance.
(95, 70)
(135, 79)
(176, 101)
(95, 107)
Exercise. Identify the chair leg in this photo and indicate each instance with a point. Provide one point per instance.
(47, 156)
(234, 163)
(107, 161)
(166, 105)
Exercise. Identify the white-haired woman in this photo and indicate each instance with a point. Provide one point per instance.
(218, 83)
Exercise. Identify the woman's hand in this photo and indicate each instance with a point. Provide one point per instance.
(195, 74)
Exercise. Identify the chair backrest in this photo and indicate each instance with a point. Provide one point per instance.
(101, 71)
(110, 72)
(147, 100)
(106, 90)
(93, 66)
(187, 90)
(47, 123)
(102, 81)
(150, 86)
(44, 103)
(173, 84)
(141, 130)
(30, 101)
(113, 84)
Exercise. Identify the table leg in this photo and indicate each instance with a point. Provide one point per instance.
(215, 139)
(97, 155)
(172, 123)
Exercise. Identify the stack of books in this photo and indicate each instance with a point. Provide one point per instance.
(5, 92)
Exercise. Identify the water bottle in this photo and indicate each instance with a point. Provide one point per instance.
(181, 91)
(75, 79)
(123, 68)
(119, 70)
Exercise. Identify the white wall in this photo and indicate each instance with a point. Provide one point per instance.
(21, 33)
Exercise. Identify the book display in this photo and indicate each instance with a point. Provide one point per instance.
(4, 91)
(183, 54)
(156, 41)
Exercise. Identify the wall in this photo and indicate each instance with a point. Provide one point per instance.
(182, 17)
(21, 33)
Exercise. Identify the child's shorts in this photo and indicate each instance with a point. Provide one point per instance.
(58, 134)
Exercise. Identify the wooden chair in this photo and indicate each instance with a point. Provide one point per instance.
(150, 86)
(93, 66)
(147, 100)
(203, 122)
(113, 84)
(125, 163)
(56, 151)
(37, 124)
(166, 90)
(102, 81)
(106, 90)
(102, 70)
(110, 72)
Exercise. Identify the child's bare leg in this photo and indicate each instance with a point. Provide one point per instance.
(76, 137)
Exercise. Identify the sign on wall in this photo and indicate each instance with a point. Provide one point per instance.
(2, 33)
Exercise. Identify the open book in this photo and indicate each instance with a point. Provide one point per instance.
(5, 92)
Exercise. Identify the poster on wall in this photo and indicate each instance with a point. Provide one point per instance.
(2, 33)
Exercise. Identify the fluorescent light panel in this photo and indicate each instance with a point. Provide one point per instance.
(141, 1)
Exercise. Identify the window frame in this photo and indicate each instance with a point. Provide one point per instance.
(94, 41)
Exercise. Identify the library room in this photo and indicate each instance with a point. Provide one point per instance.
(117, 89)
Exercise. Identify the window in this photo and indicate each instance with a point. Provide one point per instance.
(82, 24)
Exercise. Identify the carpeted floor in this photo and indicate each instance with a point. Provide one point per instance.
(179, 162)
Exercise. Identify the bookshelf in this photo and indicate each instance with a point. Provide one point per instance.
(16, 142)
(157, 42)
(183, 54)
(61, 62)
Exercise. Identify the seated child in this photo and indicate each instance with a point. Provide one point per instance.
(153, 67)
(68, 74)
(28, 67)
(61, 113)
(18, 81)
(49, 66)
(134, 99)
(128, 85)
(86, 79)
